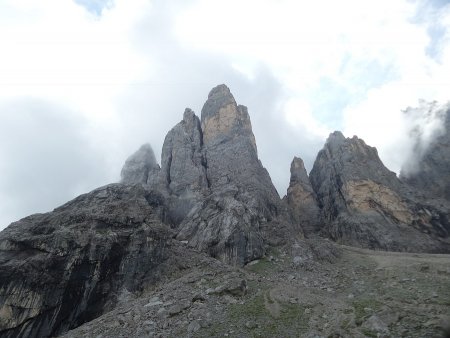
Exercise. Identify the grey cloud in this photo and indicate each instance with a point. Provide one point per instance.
(46, 158)
(425, 123)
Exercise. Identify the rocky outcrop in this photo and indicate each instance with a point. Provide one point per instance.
(218, 195)
(61, 269)
(243, 212)
(182, 158)
(364, 204)
(183, 168)
(230, 146)
(301, 199)
(431, 174)
(141, 167)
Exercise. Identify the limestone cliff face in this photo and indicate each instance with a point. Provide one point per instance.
(301, 199)
(431, 174)
(364, 204)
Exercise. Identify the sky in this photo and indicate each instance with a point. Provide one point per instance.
(84, 83)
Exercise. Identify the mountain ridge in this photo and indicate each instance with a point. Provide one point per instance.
(210, 202)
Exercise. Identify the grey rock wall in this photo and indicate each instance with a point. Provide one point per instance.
(364, 204)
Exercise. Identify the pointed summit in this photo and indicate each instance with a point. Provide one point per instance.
(138, 166)
(301, 198)
(298, 172)
(235, 231)
(223, 119)
(182, 157)
(219, 97)
(364, 204)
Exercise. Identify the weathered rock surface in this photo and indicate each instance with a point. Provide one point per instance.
(182, 158)
(243, 211)
(218, 195)
(141, 167)
(364, 204)
(61, 269)
(431, 174)
(230, 146)
(301, 199)
(183, 167)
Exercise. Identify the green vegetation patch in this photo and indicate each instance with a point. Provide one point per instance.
(291, 322)
(366, 303)
(261, 267)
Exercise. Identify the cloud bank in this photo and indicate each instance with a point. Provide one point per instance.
(84, 83)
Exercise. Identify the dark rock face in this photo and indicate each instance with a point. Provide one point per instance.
(301, 199)
(66, 267)
(432, 172)
(140, 167)
(364, 204)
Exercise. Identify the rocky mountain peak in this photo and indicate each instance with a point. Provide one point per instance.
(223, 119)
(138, 166)
(298, 171)
(182, 158)
(301, 198)
(237, 182)
(188, 114)
(352, 158)
(365, 204)
(335, 136)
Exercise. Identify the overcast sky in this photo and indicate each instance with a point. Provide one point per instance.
(84, 83)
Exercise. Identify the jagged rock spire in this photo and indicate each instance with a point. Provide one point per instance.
(182, 159)
(234, 222)
(301, 199)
